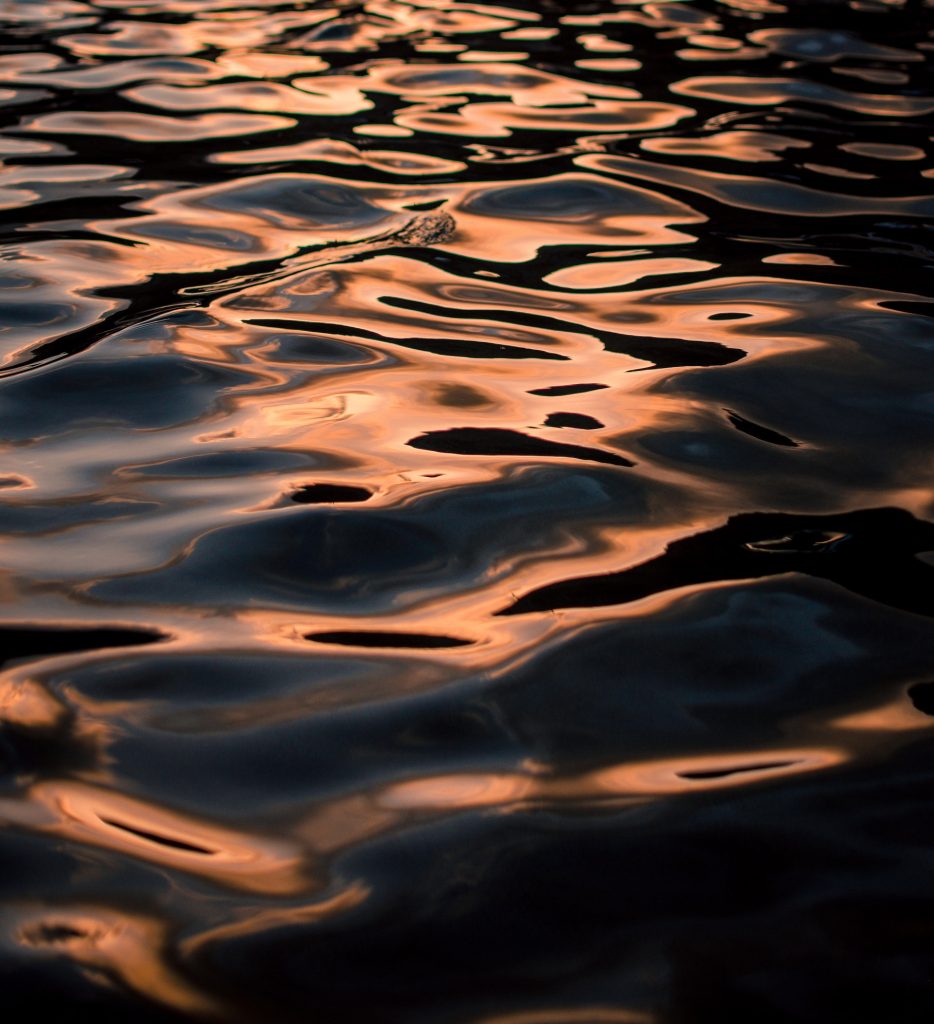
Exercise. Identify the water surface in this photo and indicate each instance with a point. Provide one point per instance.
(466, 527)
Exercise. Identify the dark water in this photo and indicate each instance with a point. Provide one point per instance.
(467, 518)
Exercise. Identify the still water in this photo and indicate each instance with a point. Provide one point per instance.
(466, 528)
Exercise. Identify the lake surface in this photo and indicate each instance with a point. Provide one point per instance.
(466, 527)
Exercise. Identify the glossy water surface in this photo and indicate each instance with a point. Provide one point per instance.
(466, 526)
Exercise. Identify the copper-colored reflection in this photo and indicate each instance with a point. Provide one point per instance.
(352, 820)
(100, 817)
(753, 193)
(609, 274)
(895, 716)
(741, 146)
(26, 703)
(260, 96)
(343, 153)
(714, 771)
(155, 127)
(573, 1015)
(259, 919)
(768, 91)
(459, 792)
(635, 781)
(112, 946)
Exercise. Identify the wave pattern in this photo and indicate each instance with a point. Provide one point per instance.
(466, 536)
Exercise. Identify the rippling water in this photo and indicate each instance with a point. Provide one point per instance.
(467, 530)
